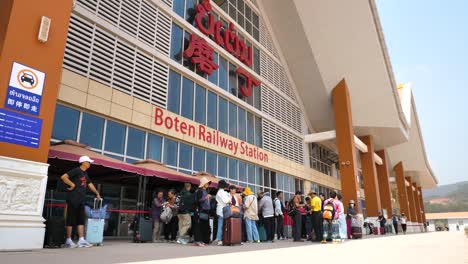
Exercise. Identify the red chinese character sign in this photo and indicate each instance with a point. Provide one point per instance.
(201, 54)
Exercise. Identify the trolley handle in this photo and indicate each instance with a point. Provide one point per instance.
(97, 202)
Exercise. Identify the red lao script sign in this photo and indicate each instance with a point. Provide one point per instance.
(201, 54)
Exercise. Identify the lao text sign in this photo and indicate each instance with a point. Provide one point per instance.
(20, 129)
(25, 89)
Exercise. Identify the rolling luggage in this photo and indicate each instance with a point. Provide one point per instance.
(375, 231)
(356, 232)
(382, 230)
(95, 226)
(232, 233)
(261, 232)
(143, 229)
(54, 232)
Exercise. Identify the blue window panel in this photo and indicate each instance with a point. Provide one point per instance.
(154, 147)
(190, 11)
(241, 120)
(257, 92)
(187, 98)
(170, 152)
(185, 156)
(136, 143)
(65, 123)
(251, 174)
(258, 132)
(212, 112)
(223, 115)
(213, 78)
(242, 172)
(233, 169)
(232, 80)
(259, 176)
(250, 128)
(92, 128)
(115, 137)
(223, 73)
(222, 166)
(211, 162)
(176, 43)
(173, 98)
(200, 104)
(198, 159)
(232, 120)
(178, 7)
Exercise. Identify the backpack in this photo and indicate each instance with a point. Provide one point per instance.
(329, 210)
(166, 214)
(291, 209)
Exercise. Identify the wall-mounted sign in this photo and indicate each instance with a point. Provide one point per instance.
(201, 54)
(25, 89)
(20, 129)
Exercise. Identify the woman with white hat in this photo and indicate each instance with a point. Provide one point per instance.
(202, 216)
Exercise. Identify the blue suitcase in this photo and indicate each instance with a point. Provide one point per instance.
(95, 226)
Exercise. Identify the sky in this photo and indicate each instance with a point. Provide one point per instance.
(428, 47)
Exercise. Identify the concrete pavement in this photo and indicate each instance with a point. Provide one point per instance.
(438, 247)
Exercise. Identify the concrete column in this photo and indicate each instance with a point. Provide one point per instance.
(412, 208)
(421, 202)
(402, 196)
(23, 170)
(345, 143)
(417, 206)
(371, 183)
(384, 185)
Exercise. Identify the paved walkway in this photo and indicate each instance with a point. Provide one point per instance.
(438, 247)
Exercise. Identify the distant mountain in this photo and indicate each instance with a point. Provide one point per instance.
(447, 198)
(444, 190)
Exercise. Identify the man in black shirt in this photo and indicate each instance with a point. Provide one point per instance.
(77, 180)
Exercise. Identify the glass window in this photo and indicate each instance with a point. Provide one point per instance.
(240, 19)
(256, 60)
(187, 98)
(135, 143)
(191, 12)
(170, 152)
(178, 7)
(154, 147)
(232, 12)
(257, 93)
(242, 171)
(266, 178)
(223, 115)
(223, 73)
(241, 121)
(65, 123)
(173, 100)
(198, 159)
(213, 78)
(200, 104)
(259, 176)
(232, 79)
(115, 137)
(176, 43)
(250, 128)
(251, 174)
(92, 128)
(185, 156)
(233, 169)
(255, 20)
(212, 112)
(211, 162)
(273, 180)
(258, 132)
(187, 62)
(248, 13)
(232, 120)
(222, 166)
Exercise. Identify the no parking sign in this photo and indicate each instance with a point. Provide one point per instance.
(25, 89)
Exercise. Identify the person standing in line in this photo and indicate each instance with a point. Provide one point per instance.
(403, 223)
(170, 228)
(395, 223)
(350, 216)
(202, 231)
(265, 206)
(342, 220)
(77, 180)
(279, 215)
(322, 198)
(295, 206)
(251, 215)
(317, 221)
(330, 219)
(185, 203)
(308, 217)
(223, 199)
(236, 199)
(382, 221)
(156, 210)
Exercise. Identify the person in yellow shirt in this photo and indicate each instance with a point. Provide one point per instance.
(316, 204)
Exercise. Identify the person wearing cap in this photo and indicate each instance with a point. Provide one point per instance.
(350, 214)
(202, 216)
(251, 215)
(77, 180)
(223, 199)
(316, 204)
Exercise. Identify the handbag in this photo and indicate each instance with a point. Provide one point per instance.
(204, 216)
(166, 214)
(231, 211)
